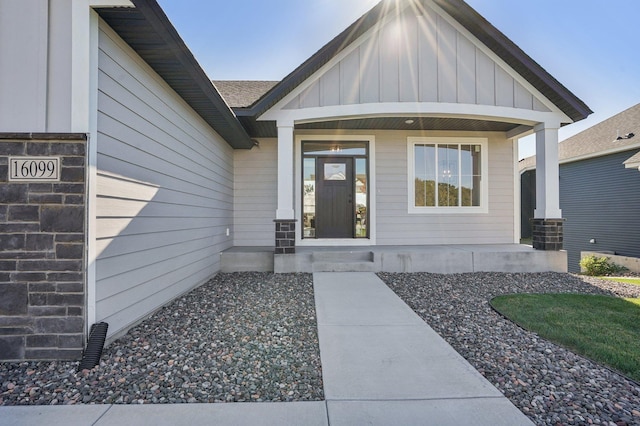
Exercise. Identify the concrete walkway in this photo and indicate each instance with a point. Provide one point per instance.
(381, 364)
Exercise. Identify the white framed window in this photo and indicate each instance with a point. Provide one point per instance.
(447, 175)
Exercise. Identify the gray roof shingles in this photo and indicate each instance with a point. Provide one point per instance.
(599, 139)
(243, 93)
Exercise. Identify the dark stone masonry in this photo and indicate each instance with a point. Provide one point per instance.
(42, 251)
(285, 236)
(548, 234)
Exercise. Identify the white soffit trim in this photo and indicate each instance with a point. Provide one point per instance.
(431, 109)
(110, 3)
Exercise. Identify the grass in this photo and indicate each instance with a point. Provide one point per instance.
(604, 329)
(625, 280)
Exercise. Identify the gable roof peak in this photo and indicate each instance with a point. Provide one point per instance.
(468, 18)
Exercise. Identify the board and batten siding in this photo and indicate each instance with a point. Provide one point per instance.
(395, 226)
(600, 199)
(417, 59)
(255, 194)
(164, 190)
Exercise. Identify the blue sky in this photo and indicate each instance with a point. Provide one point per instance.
(590, 46)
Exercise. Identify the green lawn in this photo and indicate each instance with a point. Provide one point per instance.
(625, 280)
(604, 329)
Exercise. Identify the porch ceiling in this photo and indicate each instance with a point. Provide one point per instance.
(419, 123)
(268, 129)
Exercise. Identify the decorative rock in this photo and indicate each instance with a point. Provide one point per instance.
(550, 384)
(204, 347)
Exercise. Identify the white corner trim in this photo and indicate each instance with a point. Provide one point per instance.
(92, 174)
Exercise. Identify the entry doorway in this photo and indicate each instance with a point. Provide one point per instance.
(335, 190)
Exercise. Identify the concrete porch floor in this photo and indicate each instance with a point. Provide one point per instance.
(442, 259)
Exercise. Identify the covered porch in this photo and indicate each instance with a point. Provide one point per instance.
(441, 259)
(395, 148)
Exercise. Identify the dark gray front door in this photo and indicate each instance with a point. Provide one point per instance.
(334, 198)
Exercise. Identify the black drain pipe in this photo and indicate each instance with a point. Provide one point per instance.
(93, 352)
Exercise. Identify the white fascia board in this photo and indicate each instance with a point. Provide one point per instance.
(633, 165)
(430, 109)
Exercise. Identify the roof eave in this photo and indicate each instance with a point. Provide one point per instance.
(205, 99)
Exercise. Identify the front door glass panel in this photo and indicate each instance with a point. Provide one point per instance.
(309, 198)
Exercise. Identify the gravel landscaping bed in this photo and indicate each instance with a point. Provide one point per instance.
(551, 385)
(240, 337)
(253, 337)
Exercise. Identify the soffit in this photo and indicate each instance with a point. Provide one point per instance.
(268, 129)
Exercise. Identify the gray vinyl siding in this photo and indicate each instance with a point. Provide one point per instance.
(395, 226)
(600, 199)
(255, 194)
(164, 190)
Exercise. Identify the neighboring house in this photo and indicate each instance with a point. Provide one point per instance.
(125, 173)
(599, 188)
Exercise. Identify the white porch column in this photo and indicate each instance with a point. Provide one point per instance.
(547, 172)
(286, 179)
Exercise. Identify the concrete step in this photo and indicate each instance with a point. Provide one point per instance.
(345, 261)
(343, 267)
(343, 256)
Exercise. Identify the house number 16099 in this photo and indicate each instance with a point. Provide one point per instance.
(34, 169)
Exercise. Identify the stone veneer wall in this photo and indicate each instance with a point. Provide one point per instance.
(285, 236)
(42, 252)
